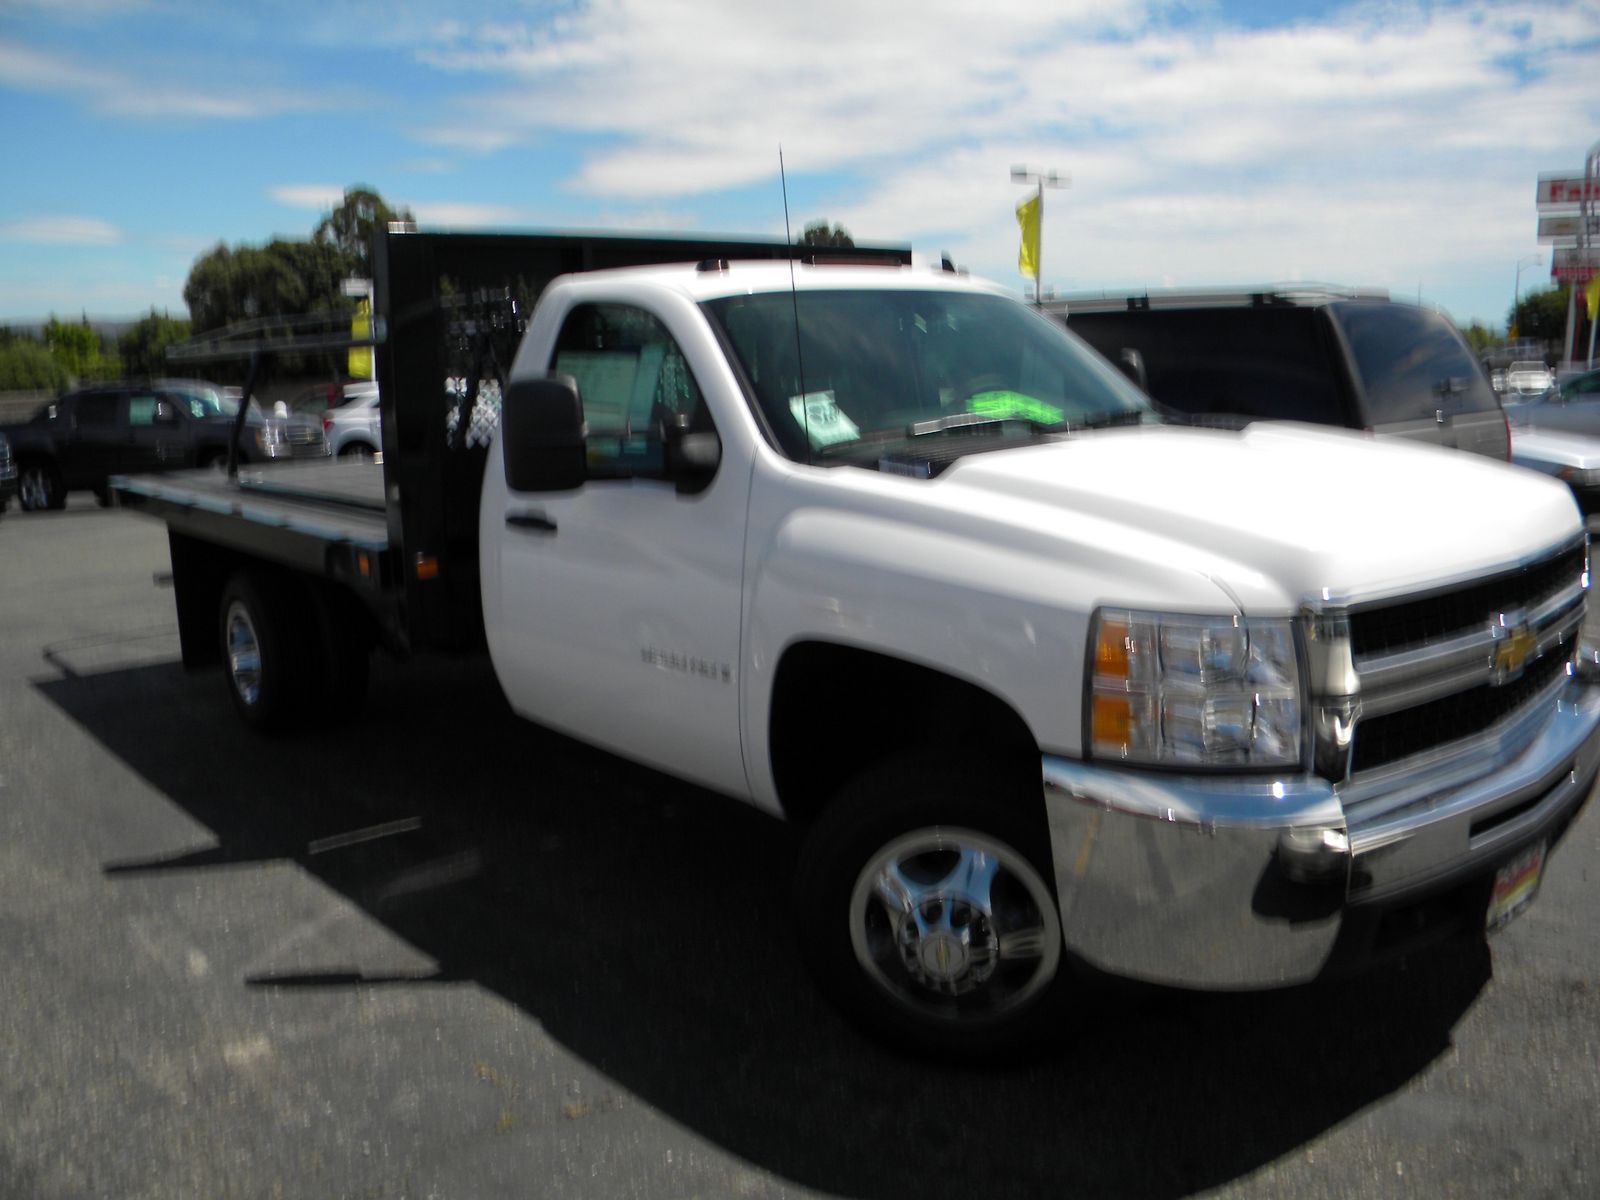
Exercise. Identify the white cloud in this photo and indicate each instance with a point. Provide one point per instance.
(62, 231)
(461, 215)
(318, 197)
(132, 93)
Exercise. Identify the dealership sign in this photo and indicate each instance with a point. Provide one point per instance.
(1564, 191)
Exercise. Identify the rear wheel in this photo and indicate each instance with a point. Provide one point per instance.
(265, 650)
(39, 487)
(924, 907)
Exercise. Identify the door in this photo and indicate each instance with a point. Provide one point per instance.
(159, 438)
(618, 610)
(99, 440)
(1418, 378)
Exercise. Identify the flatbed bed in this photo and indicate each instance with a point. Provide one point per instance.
(332, 502)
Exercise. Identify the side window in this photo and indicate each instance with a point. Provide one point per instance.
(142, 408)
(631, 377)
(97, 412)
(1412, 363)
(1260, 363)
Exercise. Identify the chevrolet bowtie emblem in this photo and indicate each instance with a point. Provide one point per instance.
(1511, 652)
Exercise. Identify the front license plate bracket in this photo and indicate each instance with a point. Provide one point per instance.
(1515, 885)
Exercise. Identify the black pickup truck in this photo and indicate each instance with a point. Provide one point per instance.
(81, 438)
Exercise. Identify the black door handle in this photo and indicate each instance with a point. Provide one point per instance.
(534, 522)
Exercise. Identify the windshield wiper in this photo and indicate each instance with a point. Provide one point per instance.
(1105, 420)
(974, 421)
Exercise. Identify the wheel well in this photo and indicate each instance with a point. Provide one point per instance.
(201, 570)
(32, 459)
(837, 709)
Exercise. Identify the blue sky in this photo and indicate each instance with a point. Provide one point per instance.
(1391, 143)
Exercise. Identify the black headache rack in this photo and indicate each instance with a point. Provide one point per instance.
(448, 313)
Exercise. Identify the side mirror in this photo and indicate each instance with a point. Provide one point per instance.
(688, 459)
(1131, 363)
(543, 435)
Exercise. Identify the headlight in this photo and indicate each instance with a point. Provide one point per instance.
(1203, 691)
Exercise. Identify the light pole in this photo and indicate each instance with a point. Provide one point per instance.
(1516, 291)
(1591, 172)
(1043, 179)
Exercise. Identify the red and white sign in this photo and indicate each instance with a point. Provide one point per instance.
(1574, 266)
(1558, 191)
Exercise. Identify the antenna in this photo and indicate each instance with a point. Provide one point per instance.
(794, 303)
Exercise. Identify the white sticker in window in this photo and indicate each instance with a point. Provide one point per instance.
(825, 424)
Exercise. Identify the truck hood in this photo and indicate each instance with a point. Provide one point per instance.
(1277, 513)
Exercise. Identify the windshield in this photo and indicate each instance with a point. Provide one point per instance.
(871, 370)
(203, 402)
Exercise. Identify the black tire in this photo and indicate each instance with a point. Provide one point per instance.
(266, 644)
(967, 963)
(39, 486)
(357, 452)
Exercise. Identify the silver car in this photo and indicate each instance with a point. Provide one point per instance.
(353, 427)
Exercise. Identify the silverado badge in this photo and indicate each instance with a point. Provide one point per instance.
(1514, 645)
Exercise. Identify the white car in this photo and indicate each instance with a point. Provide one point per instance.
(353, 427)
(1530, 378)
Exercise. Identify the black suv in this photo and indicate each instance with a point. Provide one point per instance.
(1330, 356)
(80, 439)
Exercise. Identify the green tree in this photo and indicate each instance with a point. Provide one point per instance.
(143, 345)
(820, 233)
(282, 278)
(1479, 337)
(28, 365)
(76, 348)
(1541, 315)
(350, 226)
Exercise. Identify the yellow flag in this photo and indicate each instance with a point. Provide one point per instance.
(360, 365)
(1028, 218)
(1591, 294)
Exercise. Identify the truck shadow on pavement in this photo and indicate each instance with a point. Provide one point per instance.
(646, 926)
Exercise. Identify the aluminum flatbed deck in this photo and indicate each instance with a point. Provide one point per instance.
(326, 517)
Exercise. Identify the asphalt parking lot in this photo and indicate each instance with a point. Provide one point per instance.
(428, 950)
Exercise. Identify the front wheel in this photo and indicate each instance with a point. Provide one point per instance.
(924, 907)
(39, 487)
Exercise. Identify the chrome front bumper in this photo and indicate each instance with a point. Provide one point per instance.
(1243, 882)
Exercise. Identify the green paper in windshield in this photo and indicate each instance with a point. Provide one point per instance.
(1004, 404)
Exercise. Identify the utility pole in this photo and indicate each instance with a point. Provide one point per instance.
(1516, 291)
(1043, 179)
(1586, 209)
(1591, 171)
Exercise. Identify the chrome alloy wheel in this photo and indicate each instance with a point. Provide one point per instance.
(244, 653)
(34, 488)
(954, 924)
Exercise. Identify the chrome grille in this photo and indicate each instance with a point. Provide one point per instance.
(1415, 622)
(1397, 735)
(1409, 676)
